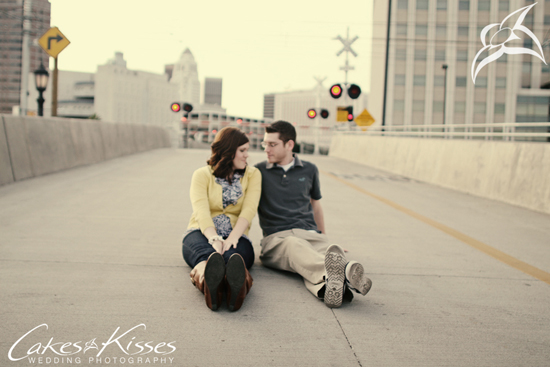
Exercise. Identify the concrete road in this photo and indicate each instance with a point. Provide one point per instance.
(92, 275)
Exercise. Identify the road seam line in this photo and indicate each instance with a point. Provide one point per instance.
(345, 336)
(478, 245)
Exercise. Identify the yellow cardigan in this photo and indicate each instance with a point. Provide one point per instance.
(207, 201)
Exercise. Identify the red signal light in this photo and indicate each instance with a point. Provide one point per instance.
(214, 131)
(187, 107)
(354, 91)
(350, 117)
(175, 107)
(336, 91)
(239, 121)
(324, 114)
(311, 113)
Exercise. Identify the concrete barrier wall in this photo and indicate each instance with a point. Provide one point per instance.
(32, 146)
(513, 172)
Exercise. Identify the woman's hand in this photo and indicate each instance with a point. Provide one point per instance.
(229, 243)
(218, 246)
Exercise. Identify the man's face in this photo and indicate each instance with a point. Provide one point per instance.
(276, 150)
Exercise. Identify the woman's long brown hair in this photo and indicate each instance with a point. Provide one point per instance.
(224, 149)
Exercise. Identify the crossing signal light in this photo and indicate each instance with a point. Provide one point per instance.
(175, 107)
(187, 107)
(324, 114)
(354, 91)
(311, 113)
(350, 113)
(336, 91)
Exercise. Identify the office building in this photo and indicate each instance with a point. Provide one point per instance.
(11, 44)
(425, 35)
(213, 91)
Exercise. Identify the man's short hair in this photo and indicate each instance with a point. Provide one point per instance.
(285, 129)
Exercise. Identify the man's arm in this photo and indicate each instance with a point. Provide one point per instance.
(318, 215)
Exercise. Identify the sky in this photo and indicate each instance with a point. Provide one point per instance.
(256, 47)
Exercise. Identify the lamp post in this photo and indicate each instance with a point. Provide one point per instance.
(444, 67)
(41, 76)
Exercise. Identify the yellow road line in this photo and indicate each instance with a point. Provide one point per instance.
(478, 245)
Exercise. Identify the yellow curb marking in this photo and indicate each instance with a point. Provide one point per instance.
(478, 245)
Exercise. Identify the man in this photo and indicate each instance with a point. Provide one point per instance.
(293, 226)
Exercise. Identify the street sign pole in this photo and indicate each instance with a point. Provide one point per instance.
(54, 88)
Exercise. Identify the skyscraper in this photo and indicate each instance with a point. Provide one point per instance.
(186, 76)
(424, 35)
(213, 91)
(11, 41)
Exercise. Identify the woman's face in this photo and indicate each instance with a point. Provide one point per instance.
(239, 162)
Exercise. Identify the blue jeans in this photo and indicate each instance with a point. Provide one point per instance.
(196, 249)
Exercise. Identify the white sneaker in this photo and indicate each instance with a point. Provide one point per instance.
(335, 267)
(356, 278)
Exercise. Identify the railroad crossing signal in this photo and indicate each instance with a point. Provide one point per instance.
(324, 113)
(175, 107)
(344, 114)
(354, 91)
(336, 91)
(311, 113)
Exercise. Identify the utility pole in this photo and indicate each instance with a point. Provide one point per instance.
(319, 88)
(25, 57)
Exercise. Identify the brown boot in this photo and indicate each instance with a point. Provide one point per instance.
(238, 282)
(214, 274)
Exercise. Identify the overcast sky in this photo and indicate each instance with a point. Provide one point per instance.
(257, 47)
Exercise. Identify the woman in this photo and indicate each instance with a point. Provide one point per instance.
(224, 196)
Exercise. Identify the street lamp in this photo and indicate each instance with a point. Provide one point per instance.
(444, 67)
(41, 76)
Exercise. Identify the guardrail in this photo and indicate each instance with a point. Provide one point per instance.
(506, 131)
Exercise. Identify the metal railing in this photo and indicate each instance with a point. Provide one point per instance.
(506, 131)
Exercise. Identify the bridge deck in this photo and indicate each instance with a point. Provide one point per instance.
(95, 248)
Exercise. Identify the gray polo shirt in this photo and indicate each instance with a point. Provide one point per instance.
(285, 201)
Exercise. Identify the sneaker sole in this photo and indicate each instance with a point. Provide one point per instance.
(335, 265)
(358, 281)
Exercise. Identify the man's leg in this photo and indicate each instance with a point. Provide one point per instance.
(298, 251)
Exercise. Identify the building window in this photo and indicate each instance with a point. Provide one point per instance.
(460, 81)
(481, 82)
(500, 82)
(440, 30)
(398, 105)
(460, 106)
(419, 80)
(526, 68)
(403, 4)
(499, 108)
(418, 105)
(504, 5)
(547, 19)
(421, 30)
(464, 5)
(440, 55)
(401, 29)
(399, 79)
(422, 4)
(439, 80)
(462, 55)
(463, 31)
(400, 54)
(503, 58)
(438, 106)
(420, 54)
(441, 4)
(479, 107)
(484, 5)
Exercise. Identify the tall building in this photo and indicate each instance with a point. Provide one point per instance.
(186, 76)
(129, 96)
(213, 91)
(11, 43)
(425, 35)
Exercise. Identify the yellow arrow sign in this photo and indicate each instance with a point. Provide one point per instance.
(53, 42)
(364, 119)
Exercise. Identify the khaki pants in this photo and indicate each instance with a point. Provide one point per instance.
(298, 251)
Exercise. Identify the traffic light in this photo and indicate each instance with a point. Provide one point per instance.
(354, 91)
(350, 113)
(324, 114)
(336, 91)
(175, 107)
(187, 107)
(311, 113)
